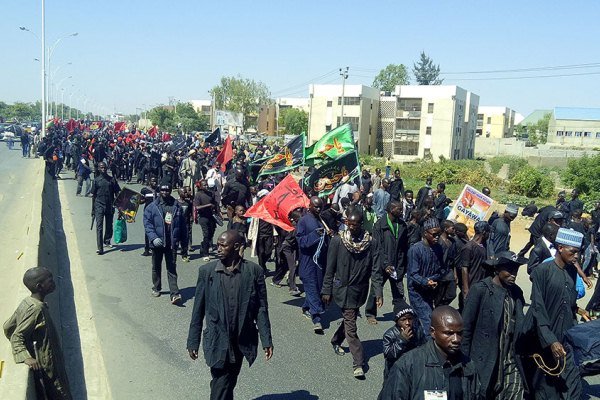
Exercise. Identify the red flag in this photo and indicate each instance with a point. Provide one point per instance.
(152, 131)
(275, 207)
(119, 126)
(71, 125)
(226, 154)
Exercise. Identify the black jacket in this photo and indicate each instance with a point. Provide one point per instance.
(235, 193)
(104, 191)
(482, 318)
(396, 189)
(209, 305)
(394, 345)
(421, 369)
(538, 255)
(347, 275)
(389, 250)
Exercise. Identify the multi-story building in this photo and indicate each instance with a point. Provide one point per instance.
(575, 127)
(268, 116)
(360, 109)
(202, 106)
(427, 122)
(495, 122)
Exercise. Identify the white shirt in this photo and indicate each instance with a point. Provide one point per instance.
(550, 246)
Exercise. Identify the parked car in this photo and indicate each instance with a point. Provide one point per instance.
(16, 129)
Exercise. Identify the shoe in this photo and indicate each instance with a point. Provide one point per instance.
(306, 314)
(109, 245)
(99, 252)
(372, 321)
(338, 350)
(278, 285)
(359, 373)
(185, 259)
(145, 254)
(295, 292)
(318, 328)
(155, 293)
(206, 259)
(176, 299)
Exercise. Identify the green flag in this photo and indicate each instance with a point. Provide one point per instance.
(332, 145)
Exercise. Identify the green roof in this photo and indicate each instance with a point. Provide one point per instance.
(534, 117)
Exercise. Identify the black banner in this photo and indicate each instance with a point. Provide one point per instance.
(291, 156)
(328, 177)
(214, 139)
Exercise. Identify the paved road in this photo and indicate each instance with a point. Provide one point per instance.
(143, 338)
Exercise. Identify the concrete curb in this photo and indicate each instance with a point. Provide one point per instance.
(96, 377)
(17, 381)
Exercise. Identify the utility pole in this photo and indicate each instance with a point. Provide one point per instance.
(43, 68)
(344, 75)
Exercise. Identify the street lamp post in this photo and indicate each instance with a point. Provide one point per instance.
(71, 102)
(344, 74)
(56, 97)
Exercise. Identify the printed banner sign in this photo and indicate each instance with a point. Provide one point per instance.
(471, 206)
(127, 202)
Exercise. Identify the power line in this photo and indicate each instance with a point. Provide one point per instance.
(524, 77)
(275, 93)
(556, 67)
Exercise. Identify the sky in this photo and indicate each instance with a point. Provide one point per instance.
(133, 54)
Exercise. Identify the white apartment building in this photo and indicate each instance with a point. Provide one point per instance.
(427, 122)
(360, 109)
(495, 122)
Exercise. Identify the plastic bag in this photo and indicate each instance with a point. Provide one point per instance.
(120, 231)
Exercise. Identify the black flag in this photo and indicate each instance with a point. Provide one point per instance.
(328, 177)
(214, 139)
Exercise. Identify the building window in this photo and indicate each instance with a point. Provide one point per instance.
(353, 121)
(489, 120)
(569, 133)
(430, 109)
(349, 101)
(561, 133)
(329, 103)
(327, 128)
(597, 135)
(267, 125)
(587, 134)
(409, 104)
(426, 153)
(205, 109)
(408, 124)
(577, 134)
(406, 148)
(428, 130)
(456, 154)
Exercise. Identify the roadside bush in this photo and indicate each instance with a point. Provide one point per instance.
(583, 174)
(470, 172)
(531, 182)
(517, 199)
(514, 164)
(589, 201)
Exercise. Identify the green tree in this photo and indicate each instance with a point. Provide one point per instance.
(537, 132)
(242, 95)
(162, 117)
(531, 182)
(293, 121)
(583, 174)
(426, 72)
(188, 119)
(390, 76)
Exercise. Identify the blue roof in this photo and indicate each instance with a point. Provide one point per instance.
(580, 114)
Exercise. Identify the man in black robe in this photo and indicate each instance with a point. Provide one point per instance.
(554, 309)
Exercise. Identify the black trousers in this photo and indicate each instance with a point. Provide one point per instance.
(170, 257)
(208, 226)
(146, 244)
(264, 249)
(397, 287)
(284, 262)
(103, 216)
(347, 330)
(224, 379)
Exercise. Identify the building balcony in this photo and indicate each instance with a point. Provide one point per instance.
(408, 114)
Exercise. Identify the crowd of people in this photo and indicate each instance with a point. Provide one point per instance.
(344, 248)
